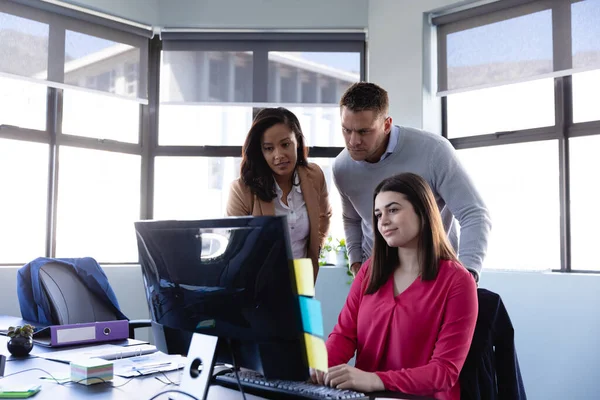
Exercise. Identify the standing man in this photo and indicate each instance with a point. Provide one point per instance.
(376, 149)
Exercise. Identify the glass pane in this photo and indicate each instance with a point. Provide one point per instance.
(584, 200)
(23, 46)
(206, 76)
(523, 199)
(321, 125)
(311, 78)
(502, 108)
(585, 32)
(101, 117)
(98, 202)
(22, 104)
(499, 52)
(23, 204)
(193, 187)
(336, 229)
(101, 64)
(586, 87)
(201, 125)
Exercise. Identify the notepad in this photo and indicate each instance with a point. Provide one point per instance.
(18, 392)
(303, 270)
(316, 352)
(312, 317)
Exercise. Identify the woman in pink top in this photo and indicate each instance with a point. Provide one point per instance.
(411, 311)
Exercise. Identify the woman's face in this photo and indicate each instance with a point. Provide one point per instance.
(397, 221)
(280, 149)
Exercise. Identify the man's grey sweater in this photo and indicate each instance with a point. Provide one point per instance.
(432, 157)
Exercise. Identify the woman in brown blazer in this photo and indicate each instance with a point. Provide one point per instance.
(277, 179)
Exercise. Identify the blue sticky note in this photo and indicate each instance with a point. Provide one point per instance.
(312, 317)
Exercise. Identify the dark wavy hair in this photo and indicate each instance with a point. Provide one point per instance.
(254, 170)
(433, 241)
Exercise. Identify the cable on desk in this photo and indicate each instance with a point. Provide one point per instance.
(156, 396)
(170, 382)
(58, 382)
(235, 370)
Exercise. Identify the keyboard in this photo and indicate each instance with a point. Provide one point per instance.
(256, 384)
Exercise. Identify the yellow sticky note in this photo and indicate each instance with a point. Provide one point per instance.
(316, 352)
(303, 270)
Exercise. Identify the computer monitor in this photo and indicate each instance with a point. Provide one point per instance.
(230, 278)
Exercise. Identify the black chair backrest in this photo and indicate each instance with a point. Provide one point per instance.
(70, 300)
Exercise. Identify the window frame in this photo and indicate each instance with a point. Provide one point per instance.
(148, 70)
(564, 127)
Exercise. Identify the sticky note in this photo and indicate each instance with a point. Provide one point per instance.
(316, 352)
(312, 317)
(303, 270)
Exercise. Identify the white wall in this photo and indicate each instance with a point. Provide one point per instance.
(263, 14)
(235, 14)
(142, 11)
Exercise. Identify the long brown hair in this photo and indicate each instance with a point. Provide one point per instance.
(254, 170)
(433, 244)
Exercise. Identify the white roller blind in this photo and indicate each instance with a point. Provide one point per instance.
(524, 42)
(64, 52)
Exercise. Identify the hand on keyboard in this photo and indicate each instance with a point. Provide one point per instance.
(288, 389)
(317, 376)
(344, 376)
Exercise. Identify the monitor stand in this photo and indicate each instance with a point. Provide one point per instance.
(198, 371)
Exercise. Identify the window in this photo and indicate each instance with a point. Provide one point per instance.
(336, 228)
(131, 78)
(98, 202)
(519, 102)
(72, 178)
(24, 183)
(22, 104)
(584, 198)
(92, 139)
(523, 200)
(101, 117)
(188, 188)
(311, 79)
(23, 46)
(209, 92)
(502, 108)
(100, 64)
(189, 79)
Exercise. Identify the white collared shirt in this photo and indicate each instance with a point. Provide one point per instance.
(297, 217)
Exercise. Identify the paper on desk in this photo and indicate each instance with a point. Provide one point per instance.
(303, 270)
(316, 352)
(148, 364)
(104, 351)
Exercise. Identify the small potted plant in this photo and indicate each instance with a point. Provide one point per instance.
(21, 340)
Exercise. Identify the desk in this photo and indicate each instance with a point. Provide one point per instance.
(138, 388)
(143, 387)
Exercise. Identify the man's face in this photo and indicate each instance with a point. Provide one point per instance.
(366, 134)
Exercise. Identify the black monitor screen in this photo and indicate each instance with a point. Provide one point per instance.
(231, 278)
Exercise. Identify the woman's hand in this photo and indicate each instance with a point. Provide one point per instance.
(344, 376)
(317, 376)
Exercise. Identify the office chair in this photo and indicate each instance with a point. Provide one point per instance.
(491, 370)
(71, 302)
